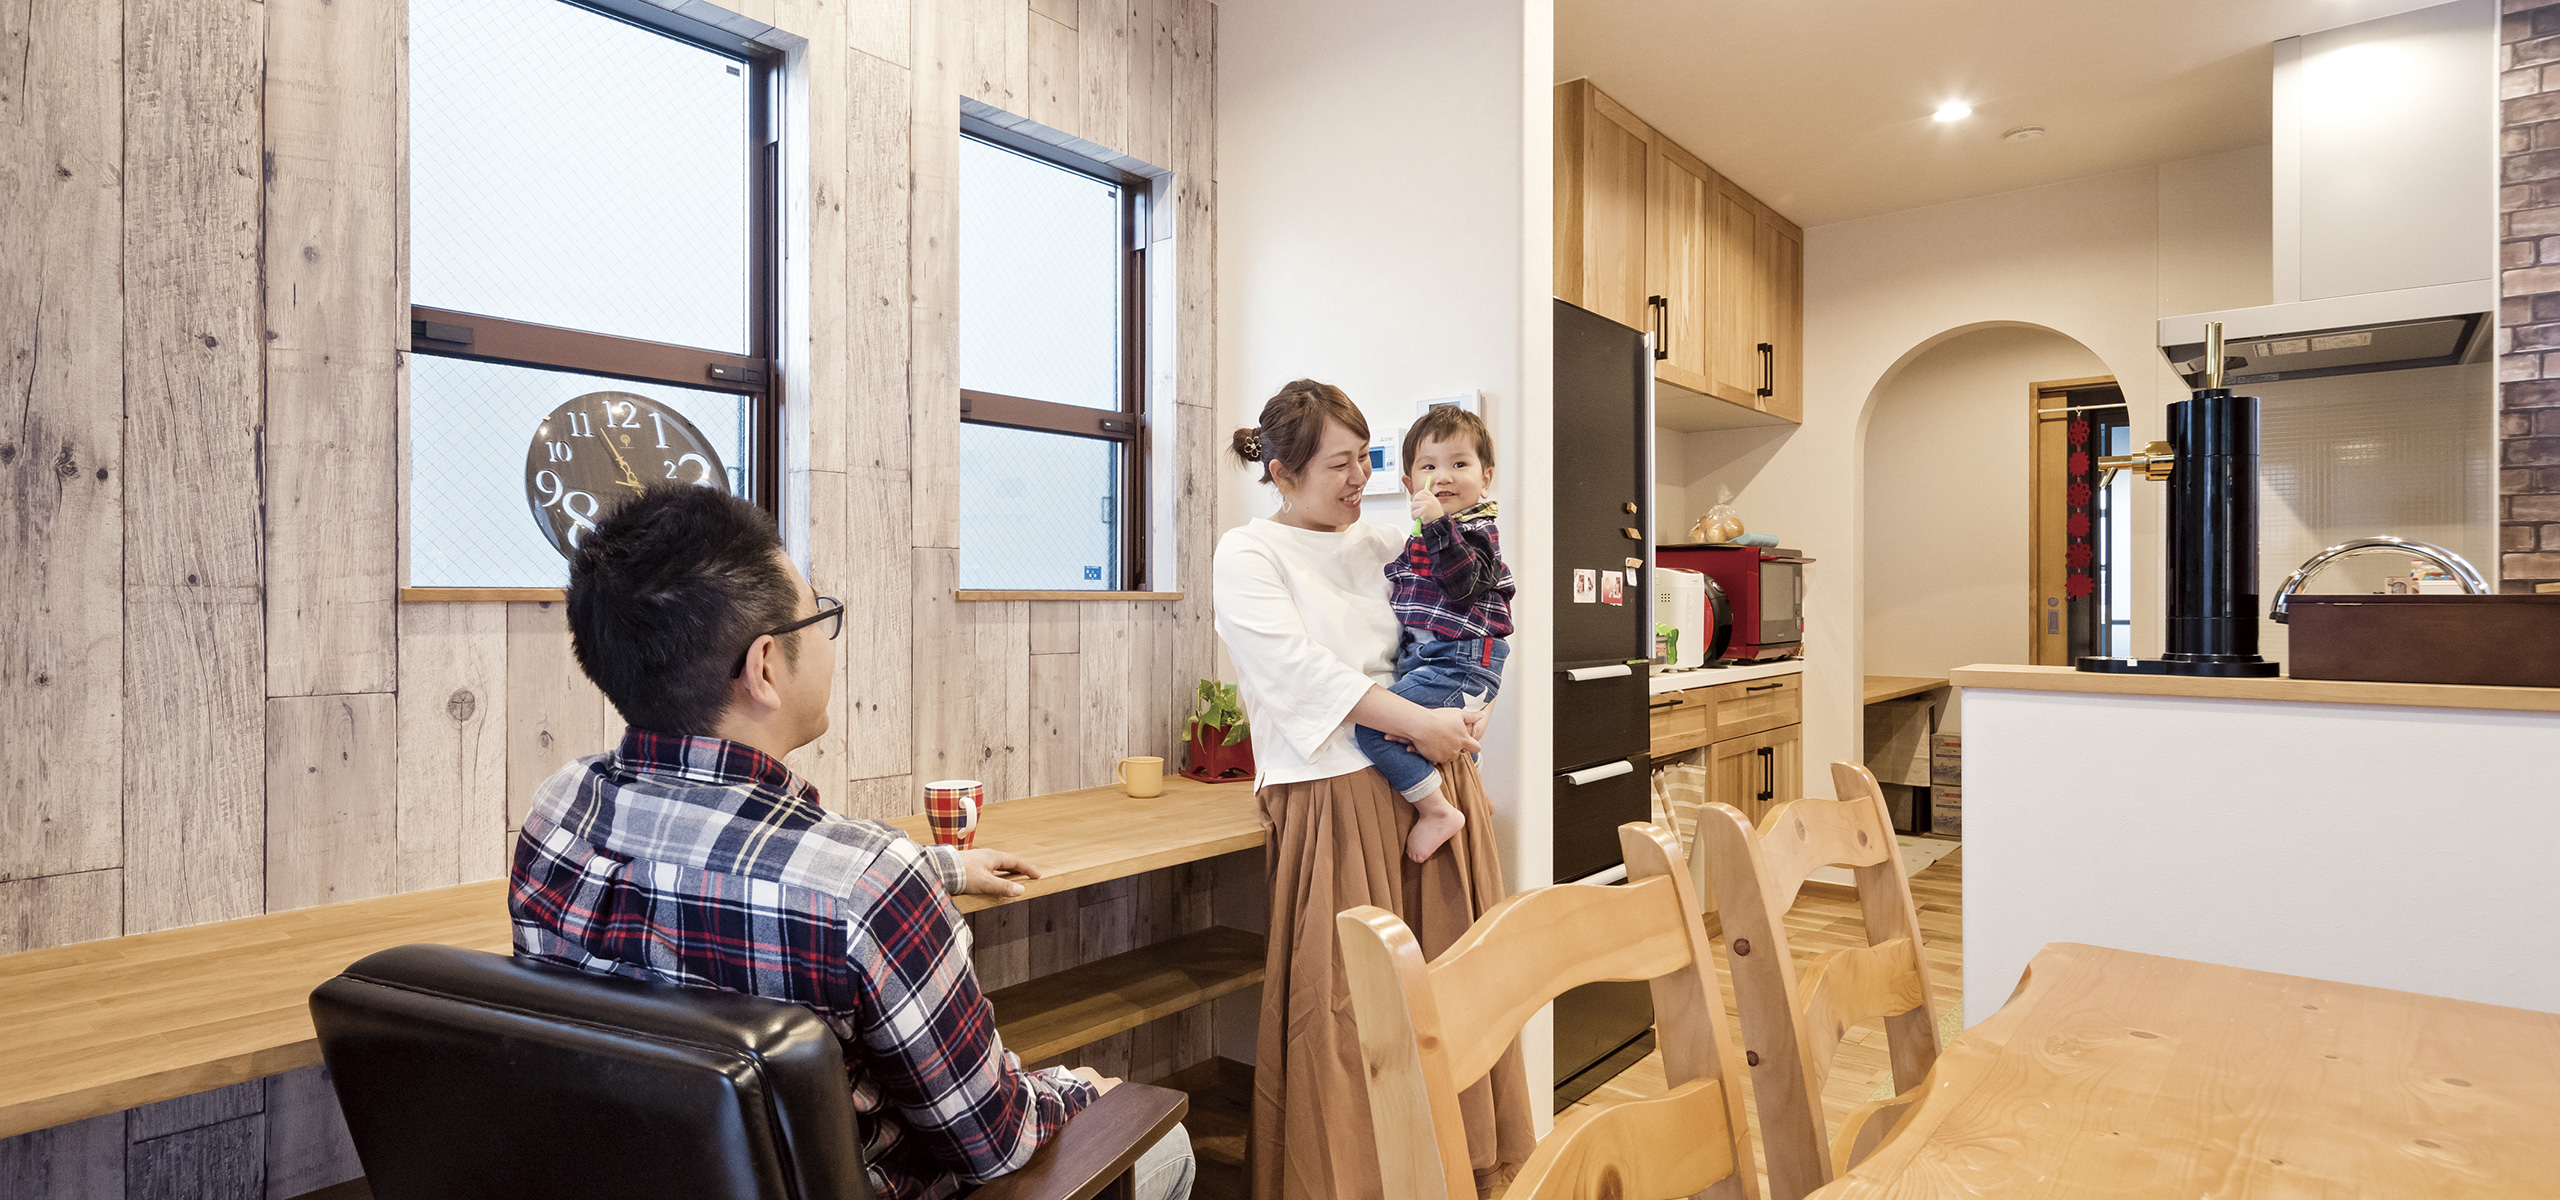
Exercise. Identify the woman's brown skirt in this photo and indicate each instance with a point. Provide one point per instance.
(1339, 843)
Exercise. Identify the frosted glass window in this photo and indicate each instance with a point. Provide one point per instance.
(1041, 261)
(1038, 511)
(570, 169)
(471, 523)
(2407, 453)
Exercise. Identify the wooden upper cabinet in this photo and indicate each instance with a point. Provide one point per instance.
(1650, 236)
(1678, 264)
(1603, 160)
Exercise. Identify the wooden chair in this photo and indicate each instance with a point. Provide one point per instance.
(1429, 1030)
(1791, 1025)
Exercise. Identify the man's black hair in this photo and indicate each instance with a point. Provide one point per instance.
(665, 593)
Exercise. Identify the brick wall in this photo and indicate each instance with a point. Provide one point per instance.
(2529, 279)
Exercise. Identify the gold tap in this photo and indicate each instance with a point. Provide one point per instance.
(2158, 460)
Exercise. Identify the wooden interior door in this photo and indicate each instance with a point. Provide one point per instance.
(1676, 261)
(1605, 156)
(2049, 475)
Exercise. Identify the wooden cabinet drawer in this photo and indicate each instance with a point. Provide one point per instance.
(1745, 708)
(1681, 721)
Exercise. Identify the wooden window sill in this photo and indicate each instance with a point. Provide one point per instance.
(461, 595)
(967, 594)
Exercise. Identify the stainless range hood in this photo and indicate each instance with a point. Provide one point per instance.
(2384, 222)
(2389, 345)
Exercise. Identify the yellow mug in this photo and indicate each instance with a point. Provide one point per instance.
(1142, 776)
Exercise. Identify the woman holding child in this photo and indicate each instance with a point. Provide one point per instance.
(1364, 655)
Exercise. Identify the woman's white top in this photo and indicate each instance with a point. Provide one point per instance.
(1306, 622)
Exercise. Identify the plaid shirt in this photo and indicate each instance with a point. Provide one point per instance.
(1450, 581)
(704, 862)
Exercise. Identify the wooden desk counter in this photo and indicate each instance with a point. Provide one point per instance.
(2132, 1076)
(1880, 688)
(99, 1027)
(1082, 838)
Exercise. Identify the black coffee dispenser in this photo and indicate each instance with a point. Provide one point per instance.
(2210, 463)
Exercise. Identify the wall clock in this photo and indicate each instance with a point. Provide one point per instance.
(600, 449)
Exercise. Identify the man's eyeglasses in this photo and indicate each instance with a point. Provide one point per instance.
(830, 610)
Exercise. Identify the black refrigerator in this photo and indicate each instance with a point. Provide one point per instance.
(1603, 441)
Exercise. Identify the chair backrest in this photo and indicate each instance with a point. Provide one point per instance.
(1429, 1030)
(1791, 1025)
(467, 1074)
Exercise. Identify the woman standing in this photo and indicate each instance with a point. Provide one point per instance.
(1301, 601)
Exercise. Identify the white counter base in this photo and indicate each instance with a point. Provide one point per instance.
(2398, 847)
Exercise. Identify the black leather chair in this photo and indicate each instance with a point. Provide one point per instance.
(467, 1075)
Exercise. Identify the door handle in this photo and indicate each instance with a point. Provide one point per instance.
(1768, 369)
(1612, 671)
(1598, 773)
(1661, 326)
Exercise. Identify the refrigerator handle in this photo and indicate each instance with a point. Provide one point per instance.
(1612, 671)
(1598, 773)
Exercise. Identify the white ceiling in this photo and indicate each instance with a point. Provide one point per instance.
(1821, 107)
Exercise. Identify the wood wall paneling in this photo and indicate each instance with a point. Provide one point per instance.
(453, 798)
(333, 317)
(1057, 753)
(1108, 680)
(997, 677)
(880, 646)
(61, 687)
(877, 317)
(554, 714)
(1102, 66)
(194, 654)
(79, 1161)
(307, 1143)
(881, 29)
(822, 762)
(933, 282)
(888, 796)
(333, 799)
(1055, 90)
(227, 1161)
(56, 910)
(1061, 11)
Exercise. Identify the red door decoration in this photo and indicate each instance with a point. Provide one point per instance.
(2079, 554)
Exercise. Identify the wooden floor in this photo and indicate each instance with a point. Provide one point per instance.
(1826, 918)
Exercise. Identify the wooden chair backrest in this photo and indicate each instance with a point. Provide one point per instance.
(1429, 1030)
(1792, 1026)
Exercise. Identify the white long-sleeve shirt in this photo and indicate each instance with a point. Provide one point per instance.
(1305, 618)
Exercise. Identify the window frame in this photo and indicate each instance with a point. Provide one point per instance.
(487, 337)
(1129, 425)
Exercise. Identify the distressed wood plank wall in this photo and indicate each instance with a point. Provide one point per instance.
(214, 702)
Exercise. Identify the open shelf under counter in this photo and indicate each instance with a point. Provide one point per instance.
(1096, 835)
(1058, 1012)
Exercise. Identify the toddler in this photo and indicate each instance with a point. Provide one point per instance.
(1453, 597)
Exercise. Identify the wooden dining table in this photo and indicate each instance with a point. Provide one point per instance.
(2127, 1076)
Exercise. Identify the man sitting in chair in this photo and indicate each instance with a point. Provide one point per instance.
(691, 855)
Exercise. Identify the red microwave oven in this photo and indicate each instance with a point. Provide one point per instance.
(1765, 589)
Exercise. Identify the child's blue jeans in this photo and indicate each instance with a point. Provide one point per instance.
(1441, 673)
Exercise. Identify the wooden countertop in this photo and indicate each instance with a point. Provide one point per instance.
(2298, 691)
(1082, 838)
(2131, 1076)
(99, 1027)
(1895, 687)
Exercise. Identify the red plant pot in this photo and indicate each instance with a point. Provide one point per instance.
(1212, 762)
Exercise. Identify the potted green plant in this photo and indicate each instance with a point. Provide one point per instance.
(1221, 741)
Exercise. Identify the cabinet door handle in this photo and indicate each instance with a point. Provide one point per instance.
(1768, 369)
(1762, 687)
(1661, 307)
(1674, 702)
(1768, 774)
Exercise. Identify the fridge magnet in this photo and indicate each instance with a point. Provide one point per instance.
(1586, 586)
(1613, 587)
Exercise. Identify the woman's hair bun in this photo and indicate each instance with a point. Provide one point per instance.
(1247, 444)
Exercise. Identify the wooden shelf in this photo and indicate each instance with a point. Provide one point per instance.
(1082, 838)
(1053, 1014)
(1881, 688)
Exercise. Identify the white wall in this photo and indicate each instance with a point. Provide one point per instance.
(2096, 260)
(1384, 224)
(1948, 509)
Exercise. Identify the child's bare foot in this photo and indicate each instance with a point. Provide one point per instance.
(1435, 821)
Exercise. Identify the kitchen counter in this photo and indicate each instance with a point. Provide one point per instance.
(2391, 835)
(2303, 691)
(1666, 682)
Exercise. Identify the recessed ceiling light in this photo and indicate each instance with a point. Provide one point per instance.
(2025, 133)
(1952, 110)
